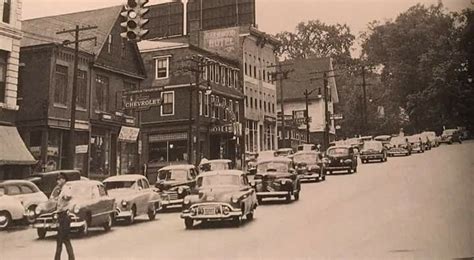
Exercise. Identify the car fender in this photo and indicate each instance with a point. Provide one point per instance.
(12, 206)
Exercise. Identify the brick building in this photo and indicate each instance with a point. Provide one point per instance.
(106, 69)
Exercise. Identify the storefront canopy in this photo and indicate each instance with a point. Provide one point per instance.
(12, 149)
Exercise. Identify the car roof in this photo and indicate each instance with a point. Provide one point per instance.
(372, 141)
(305, 152)
(16, 182)
(222, 172)
(56, 172)
(85, 182)
(219, 160)
(284, 149)
(126, 177)
(274, 159)
(383, 137)
(340, 146)
(178, 167)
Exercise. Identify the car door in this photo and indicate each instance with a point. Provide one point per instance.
(250, 194)
(105, 204)
(141, 197)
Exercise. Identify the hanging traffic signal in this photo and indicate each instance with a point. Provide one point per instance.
(134, 12)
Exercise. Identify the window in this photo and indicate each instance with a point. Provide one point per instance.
(200, 103)
(251, 102)
(206, 105)
(101, 93)
(60, 85)
(26, 189)
(245, 68)
(232, 78)
(264, 75)
(227, 77)
(213, 111)
(246, 101)
(162, 68)
(81, 88)
(3, 74)
(7, 5)
(217, 70)
(123, 43)
(216, 108)
(260, 104)
(204, 72)
(224, 108)
(255, 71)
(212, 72)
(223, 76)
(273, 107)
(265, 106)
(109, 43)
(167, 108)
(236, 111)
(250, 70)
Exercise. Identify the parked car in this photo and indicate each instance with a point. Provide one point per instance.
(284, 152)
(384, 139)
(399, 146)
(89, 206)
(46, 181)
(251, 162)
(10, 210)
(373, 150)
(27, 193)
(432, 138)
(262, 155)
(222, 195)
(451, 135)
(425, 140)
(216, 165)
(416, 144)
(276, 178)
(340, 158)
(355, 143)
(306, 147)
(309, 165)
(134, 197)
(176, 182)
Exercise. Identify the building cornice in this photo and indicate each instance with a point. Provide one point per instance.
(10, 32)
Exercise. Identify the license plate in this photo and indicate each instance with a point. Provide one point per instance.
(209, 211)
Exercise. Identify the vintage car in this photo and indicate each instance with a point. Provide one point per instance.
(133, 196)
(89, 205)
(10, 210)
(284, 152)
(27, 193)
(276, 178)
(175, 182)
(385, 139)
(416, 144)
(450, 135)
(251, 162)
(46, 181)
(399, 146)
(306, 147)
(373, 150)
(340, 158)
(309, 165)
(215, 165)
(262, 155)
(221, 195)
(432, 138)
(425, 140)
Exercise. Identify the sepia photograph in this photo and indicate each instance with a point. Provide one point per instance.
(236, 129)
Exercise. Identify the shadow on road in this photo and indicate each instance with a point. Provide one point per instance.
(93, 233)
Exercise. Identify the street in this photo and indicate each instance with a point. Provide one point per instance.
(417, 207)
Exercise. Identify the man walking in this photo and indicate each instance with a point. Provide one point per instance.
(63, 219)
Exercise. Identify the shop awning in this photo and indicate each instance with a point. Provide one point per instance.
(12, 149)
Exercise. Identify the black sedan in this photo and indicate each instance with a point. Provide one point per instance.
(340, 158)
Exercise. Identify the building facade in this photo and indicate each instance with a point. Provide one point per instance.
(106, 134)
(189, 123)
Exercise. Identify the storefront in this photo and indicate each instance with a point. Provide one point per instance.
(15, 159)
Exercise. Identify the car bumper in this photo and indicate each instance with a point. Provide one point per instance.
(168, 202)
(267, 194)
(310, 176)
(338, 168)
(371, 157)
(187, 214)
(54, 226)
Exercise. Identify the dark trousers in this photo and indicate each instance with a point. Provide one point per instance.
(63, 236)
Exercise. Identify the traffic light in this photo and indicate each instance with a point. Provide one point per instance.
(134, 12)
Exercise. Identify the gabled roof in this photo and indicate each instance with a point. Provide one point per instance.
(300, 79)
(43, 30)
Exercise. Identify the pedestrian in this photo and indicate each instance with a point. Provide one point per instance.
(63, 218)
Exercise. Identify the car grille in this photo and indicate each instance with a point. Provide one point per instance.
(170, 196)
(209, 210)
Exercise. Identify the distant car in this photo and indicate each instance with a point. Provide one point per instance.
(432, 138)
(277, 178)
(450, 135)
(89, 206)
(416, 143)
(27, 193)
(399, 146)
(176, 182)
(284, 152)
(425, 140)
(134, 197)
(251, 162)
(355, 143)
(384, 139)
(373, 150)
(340, 158)
(262, 155)
(222, 195)
(309, 165)
(216, 165)
(306, 147)
(10, 210)
(46, 181)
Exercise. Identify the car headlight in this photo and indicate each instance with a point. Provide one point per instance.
(193, 211)
(55, 216)
(124, 203)
(37, 211)
(76, 209)
(283, 182)
(348, 161)
(180, 190)
(226, 210)
(187, 201)
(235, 200)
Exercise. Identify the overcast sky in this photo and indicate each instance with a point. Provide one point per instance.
(274, 15)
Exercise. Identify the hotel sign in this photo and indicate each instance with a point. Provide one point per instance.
(223, 41)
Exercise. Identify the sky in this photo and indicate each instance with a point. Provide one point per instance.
(274, 16)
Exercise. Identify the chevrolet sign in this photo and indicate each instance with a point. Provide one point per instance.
(143, 104)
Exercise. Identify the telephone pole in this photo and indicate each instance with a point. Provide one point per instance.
(364, 88)
(281, 75)
(72, 125)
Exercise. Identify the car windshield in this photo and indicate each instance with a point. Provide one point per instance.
(219, 166)
(397, 141)
(76, 190)
(449, 132)
(218, 180)
(373, 145)
(338, 151)
(110, 185)
(305, 157)
(173, 175)
(273, 166)
(283, 153)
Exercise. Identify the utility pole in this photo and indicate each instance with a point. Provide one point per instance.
(72, 125)
(364, 88)
(281, 75)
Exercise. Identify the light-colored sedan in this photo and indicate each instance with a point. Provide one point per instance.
(10, 210)
(27, 193)
(133, 196)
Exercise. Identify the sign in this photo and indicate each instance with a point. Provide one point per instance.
(223, 41)
(82, 149)
(128, 134)
(142, 103)
(336, 117)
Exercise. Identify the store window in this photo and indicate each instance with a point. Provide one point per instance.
(167, 108)
(60, 85)
(128, 158)
(168, 151)
(3, 74)
(82, 89)
(100, 154)
(162, 68)
(101, 93)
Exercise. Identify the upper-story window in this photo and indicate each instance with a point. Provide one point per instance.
(213, 111)
(60, 85)
(3, 74)
(101, 93)
(109, 43)
(212, 73)
(162, 68)
(224, 106)
(217, 70)
(167, 108)
(7, 6)
(81, 88)
(236, 111)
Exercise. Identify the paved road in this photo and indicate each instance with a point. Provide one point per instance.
(420, 207)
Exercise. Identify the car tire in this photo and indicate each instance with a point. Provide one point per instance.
(236, 221)
(85, 229)
(152, 213)
(188, 223)
(6, 220)
(108, 224)
(29, 219)
(288, 197)
(131, 219)
(250, 216)
(296, 195)
(355, 169)
(259, 200)
(41, 233)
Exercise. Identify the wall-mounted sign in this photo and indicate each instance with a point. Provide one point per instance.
(223, 41)
(82, 149)
(336, 117)
(129, 134)
(142, 103)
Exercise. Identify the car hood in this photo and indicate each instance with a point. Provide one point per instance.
(370, 151)
(121, 194)
(51, 205)
(167, 185)
(338, 157)
(217, 194)
(274, 175)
